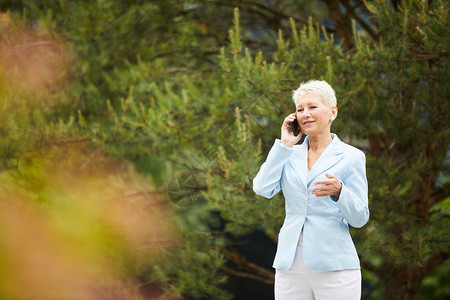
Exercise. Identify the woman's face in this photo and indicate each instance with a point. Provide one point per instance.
(313, 116)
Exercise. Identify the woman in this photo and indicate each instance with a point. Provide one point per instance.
(325, 189)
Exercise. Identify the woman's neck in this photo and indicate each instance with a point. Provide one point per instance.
(318, 143)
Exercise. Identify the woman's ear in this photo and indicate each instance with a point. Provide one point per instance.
(334, 113)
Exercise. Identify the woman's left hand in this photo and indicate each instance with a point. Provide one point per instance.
(328, 187)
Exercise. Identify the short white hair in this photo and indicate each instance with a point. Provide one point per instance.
(317, 87)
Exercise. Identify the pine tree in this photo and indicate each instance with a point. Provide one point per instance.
(388, 97)
(198, 121)
(392, 97)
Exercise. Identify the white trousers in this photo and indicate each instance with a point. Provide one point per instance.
(300, 283)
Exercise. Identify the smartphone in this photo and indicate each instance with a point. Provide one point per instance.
(295, 127)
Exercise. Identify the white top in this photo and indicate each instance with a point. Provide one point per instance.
(300, 240)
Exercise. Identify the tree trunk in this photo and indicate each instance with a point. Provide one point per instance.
(342, 23)
(401, 283)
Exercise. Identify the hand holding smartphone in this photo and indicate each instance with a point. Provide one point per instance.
(295, 127)
(290, 131)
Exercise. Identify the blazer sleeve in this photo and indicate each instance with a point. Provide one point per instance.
(268, 180)
(353, 200)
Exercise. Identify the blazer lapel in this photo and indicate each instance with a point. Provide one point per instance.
(330, 156)
(299, 161)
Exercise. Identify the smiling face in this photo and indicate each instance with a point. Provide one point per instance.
(313, 116)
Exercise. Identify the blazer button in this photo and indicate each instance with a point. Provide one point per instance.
(305, 193)
(306, 203)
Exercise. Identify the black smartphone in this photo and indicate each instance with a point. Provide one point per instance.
(295, 127)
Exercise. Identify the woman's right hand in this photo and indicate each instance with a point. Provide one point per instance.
(287, 136)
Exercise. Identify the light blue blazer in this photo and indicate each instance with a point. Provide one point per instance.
(327, 244)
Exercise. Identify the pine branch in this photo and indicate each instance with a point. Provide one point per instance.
(72, 141)
(438, 196)
(435, 261)
(341, 23)
(257, 273)
(355, 15)
(361, 5)
(246, 275)
(370, 267)
(273, 10)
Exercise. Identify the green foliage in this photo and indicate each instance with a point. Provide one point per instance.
(62, 211)
(157, 84)
(391, 95)
(435, 286)
(195, 270)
